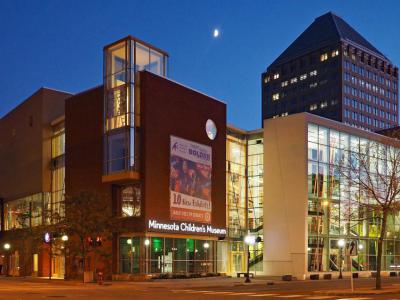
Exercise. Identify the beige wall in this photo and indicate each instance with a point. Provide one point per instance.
(285, 196)
(25, 145)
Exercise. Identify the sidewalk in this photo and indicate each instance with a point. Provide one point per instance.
(362, 291)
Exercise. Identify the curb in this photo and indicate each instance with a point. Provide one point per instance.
(358, 293)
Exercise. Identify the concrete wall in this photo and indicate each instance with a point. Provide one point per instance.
(285, 196)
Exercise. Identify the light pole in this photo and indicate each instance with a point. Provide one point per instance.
(65, 238)
(7, 248)
(249, 240)
(206, 245)
(146, 244)
(341, 244)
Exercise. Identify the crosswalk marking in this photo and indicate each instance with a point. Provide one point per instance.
(263, 295)
(320, 297)
(240, 294)
(198, 292)
(290, 296)
(210, 293)
(353, 298)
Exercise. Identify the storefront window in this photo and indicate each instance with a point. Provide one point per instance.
(129, 255)
(166, 255)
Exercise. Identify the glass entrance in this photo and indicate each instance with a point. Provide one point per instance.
(58, 266)
(166, 255)
(237, 262)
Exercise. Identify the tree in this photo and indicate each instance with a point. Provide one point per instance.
(88, 219)
(371, 172)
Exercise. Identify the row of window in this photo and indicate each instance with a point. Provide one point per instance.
(324, 56)
(294, 79)
(322, 104)
(369, 109)
(366, 96)
(369, 74)
(281, 115)
(277, 96)
(365, 119)
(371, 87)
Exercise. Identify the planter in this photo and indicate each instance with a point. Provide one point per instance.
(373, 274)
(314, 276)
(393, 274)
(355, 275)
(287, 277)
(328, 276)
(88, 276)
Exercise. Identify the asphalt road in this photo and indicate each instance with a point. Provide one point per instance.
(193, 289)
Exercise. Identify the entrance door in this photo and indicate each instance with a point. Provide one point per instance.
(237, 262)
(58, 264)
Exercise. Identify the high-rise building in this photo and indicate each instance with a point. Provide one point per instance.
(332, 71)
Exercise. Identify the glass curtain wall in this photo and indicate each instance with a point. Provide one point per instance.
(55, 208)
(236, 186)
(255, 196)
(122, 112)
(244, 199)
(336, 210)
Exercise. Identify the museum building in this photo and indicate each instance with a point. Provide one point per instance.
(185, 187)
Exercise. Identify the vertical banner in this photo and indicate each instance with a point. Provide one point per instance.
(190, 181)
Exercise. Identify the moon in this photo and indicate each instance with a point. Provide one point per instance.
(216, 33)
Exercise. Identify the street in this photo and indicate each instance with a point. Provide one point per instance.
(209, 288)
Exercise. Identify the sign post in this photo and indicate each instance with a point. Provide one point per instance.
(351, 250)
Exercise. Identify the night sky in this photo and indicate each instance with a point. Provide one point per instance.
(59, 44)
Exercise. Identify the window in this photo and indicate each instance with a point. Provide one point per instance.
(284, 114)
(266, 79)
(313, 107)
(313, 73)
(324, 56)
(313, 85)
(130, 201)
(276, 76)
(293, 80)
(275, 97)
(335, 53)
(117, 152)
(304, 76)
(284, 83)
(324, 104)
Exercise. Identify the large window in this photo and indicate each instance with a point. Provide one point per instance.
(24, 212)
(336, 206)
(166, 255)
(55, 206)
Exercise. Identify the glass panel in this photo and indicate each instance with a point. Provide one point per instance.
(116, 65)
(156, 62)
(142, 61)
(116, 152)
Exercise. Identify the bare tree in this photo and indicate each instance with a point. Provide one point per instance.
(88, 220)
(372, 175)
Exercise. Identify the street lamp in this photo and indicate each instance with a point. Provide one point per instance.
(249, 240)
(7, 247)
(206, 245)
(341, 244)
(146, 244)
